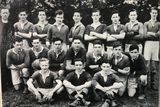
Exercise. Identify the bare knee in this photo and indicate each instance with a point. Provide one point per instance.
(25, 72)
(17, 87)
(131, 92)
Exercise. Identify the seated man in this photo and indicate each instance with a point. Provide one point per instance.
(77, 84)
(56, 56)
(17, 60)
(94, 59)
(121, 64)
(106, 84)
(47, 81)
(37, 52)
(75, 51)
(138, 73)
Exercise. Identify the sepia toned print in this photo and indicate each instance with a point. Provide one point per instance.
(69, 53)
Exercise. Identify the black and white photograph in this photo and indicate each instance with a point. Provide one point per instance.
(80, 53)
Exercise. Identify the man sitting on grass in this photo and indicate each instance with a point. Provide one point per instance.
(77, 84)
(106, 85)
(47, 81)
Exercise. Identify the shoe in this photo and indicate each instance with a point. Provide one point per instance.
(106, 103)
(75, 103)
(25, 91)
(141, 97)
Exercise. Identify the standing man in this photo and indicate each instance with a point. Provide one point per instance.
(78, 29)
(151, 49)
(17, 60)
(23, 29)
(115, 32)
(95, 31)
(59, 29)
(41, 28)
(134, 32)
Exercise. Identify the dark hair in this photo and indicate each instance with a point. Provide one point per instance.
(97, 42)
(115, 12)
(107, 62)
(154, 8)
(76, 38)
(59, 12)
(23, 10)
(117, 44)
(133, 47)
(133, 10)
(35, 37)
(78, 59)
(78, 11)
(57, 39)
(17, 39)
(96, 10)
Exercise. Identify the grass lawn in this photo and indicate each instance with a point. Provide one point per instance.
(12, 98)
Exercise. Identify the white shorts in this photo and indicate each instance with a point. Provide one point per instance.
(151, 50)
(127, 46)
(16, 77)
(132, 83)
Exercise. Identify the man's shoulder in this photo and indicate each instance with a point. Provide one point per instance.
(10, 51)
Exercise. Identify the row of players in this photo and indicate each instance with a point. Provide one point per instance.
(77, 71)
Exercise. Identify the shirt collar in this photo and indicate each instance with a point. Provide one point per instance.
(77, 24)
(45, 24)
(136, 22)
(24, 23)
(39, 51)
(120, 57)
(16, 52)
(46, 74)
(55, 24)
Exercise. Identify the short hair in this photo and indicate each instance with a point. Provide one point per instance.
(59, 12)
(43, 59)
(97, 42)
(107, 62)
(23, 10)
(154, 8)
(117, 44)
(41, 10)
(76, 38)
(57, 39)
(78, 11)
(78, 59)
(133, 47)
(17, 39)
(36, 37)
(133, 10)
(96, 10)
(115, 12)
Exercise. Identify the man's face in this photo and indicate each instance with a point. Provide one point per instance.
(59, 18)
(42, 16)
(115, 18)
(154, 14)
(18, 45)
(106, 67)
(78, 65)
(117, 50)
(96, 16)
(5, 14)
(76, 44)
(134, 54)
(44, 65)
(97, 48)
(23, 16)
(133, 16)
(77, 17)
(57, 45)
(36, 43)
